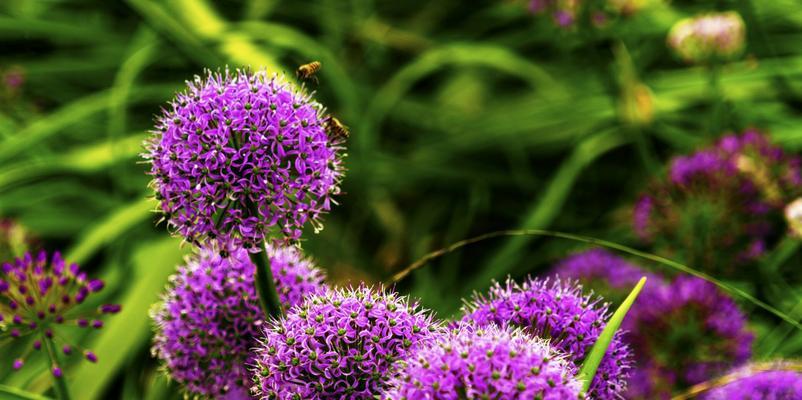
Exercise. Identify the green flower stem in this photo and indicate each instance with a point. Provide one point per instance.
(62, 393)
(716, 98)
(596, 353)
(265, 285)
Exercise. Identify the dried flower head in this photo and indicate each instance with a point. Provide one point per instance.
(557, 310)
(210, 318)
(721, 206)
(708, 37)
(38, 299)
(339, 345)
(485, 363)
(778, 381)
(238, 153)
(684, 333)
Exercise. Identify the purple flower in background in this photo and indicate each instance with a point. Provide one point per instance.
(566, 13)
(37, 299)
(605, 273)
(238, 153)
(339, 345)
(722, 206)
(557, 310)
(211, 319)
(485, 363)
(684, 333)
(759, 382)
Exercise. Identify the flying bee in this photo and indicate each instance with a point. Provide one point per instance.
(335, 129)
(307, 71)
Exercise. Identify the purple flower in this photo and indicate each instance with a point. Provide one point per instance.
(684, 333)
(757, 382)
(485, 363)
(557, 310)
(339, 345)
(38, 298)
(238, 153)
(598, 267)
(211, 318)
(721, 206)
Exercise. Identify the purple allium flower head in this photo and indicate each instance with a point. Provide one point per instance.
(684, 333)
(38, 298)
(707, 37)
(211, 318)
(238, 153)
(758, 382)
(558, 310)
(485, 363)
(721, 206)
(601, 265)
(339, 345)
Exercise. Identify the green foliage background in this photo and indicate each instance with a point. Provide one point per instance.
(466, 117)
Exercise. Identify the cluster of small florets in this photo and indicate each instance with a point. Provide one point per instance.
(605, 273)
(238, 153)
(211, 318)
(708, 37)
(339, 345)
(557, 310)
(721, 206)
(778, 381)
(37, 298)
(485, 363)
(684, 333)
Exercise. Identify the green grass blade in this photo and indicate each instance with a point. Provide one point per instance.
(12, 393)
(592, 361)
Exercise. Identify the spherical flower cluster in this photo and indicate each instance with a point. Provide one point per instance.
(339, 345)
(566, 13)
(210, 318)
(605, 273)
(759, 382)
(238, 153)
(559, 311)
(709, 37)
(485, 363)
(684, 333)
(38, 298)
(721, 206)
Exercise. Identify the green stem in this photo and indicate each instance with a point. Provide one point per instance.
(265, 284)
(716, 98)
(62, 393)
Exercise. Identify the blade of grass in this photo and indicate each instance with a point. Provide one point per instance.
(732, 290)
(12, 393)
(594, 358)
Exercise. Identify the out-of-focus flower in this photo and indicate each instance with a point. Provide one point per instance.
(559, 311)
(721, 206)
(708, 37)
(210, 318)
(566, 13)
(793, 217)
(684, 333)
(14, 240)
(339, 345)
(485, 363)
(238, 153)
(773, 382)
(605, 273)
(38, 299)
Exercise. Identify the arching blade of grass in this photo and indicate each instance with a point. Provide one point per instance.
(594, 358)
(732, 290)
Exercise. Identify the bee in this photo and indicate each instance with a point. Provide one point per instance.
(307, 71)
(335, 129)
